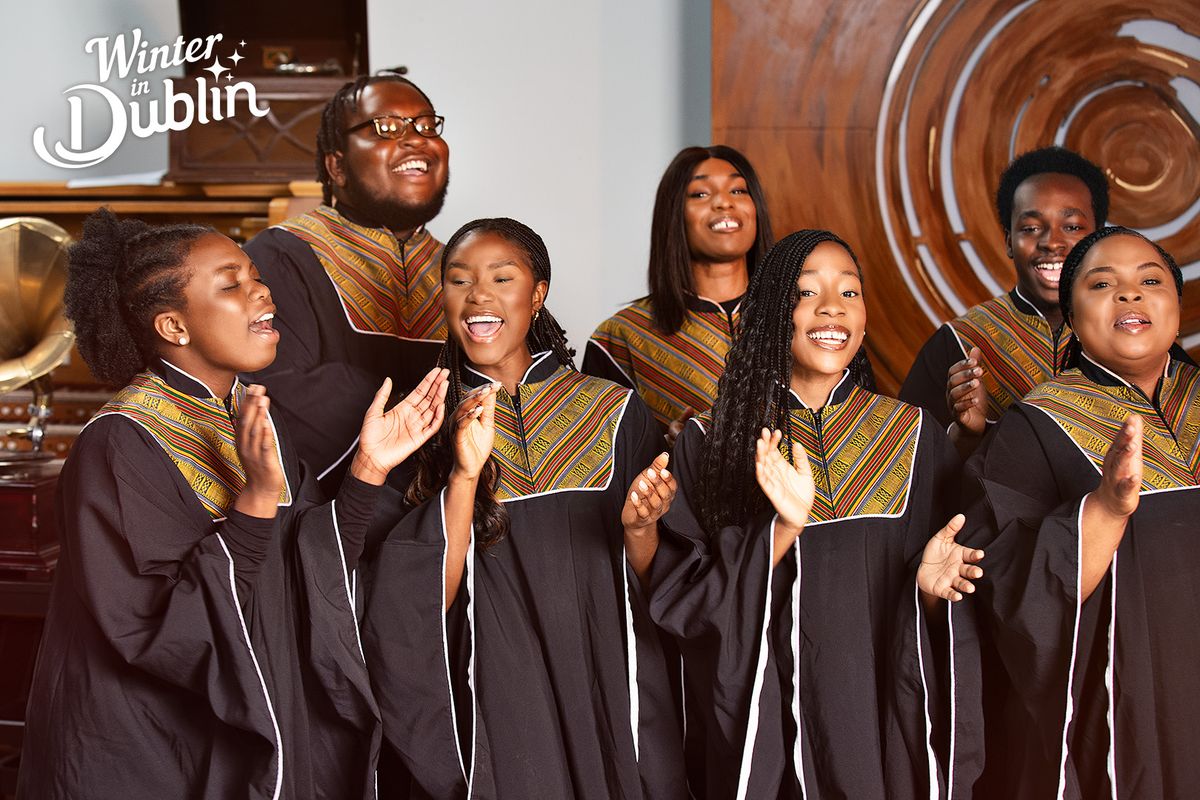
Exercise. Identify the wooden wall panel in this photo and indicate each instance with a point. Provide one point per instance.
(889, 123)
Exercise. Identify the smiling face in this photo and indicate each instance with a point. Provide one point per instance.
(1125, 308)
(719, 213)
(226, 318)
(1051, 212)
(490, 294)
(830, 317)
(398, 183)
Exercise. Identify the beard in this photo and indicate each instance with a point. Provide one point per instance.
(367, 208)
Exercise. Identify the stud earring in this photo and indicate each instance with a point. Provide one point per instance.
(183, 340)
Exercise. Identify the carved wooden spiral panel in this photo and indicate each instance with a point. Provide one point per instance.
(895, 121)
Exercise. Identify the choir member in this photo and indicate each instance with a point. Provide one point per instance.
(710, 228)
(201, 640)
(506, 627)
(1088, 501)
(975, 366)
(787, 570)
(356, 280)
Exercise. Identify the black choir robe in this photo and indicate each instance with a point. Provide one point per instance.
(819, 678)
(672, 374)
(546, 678)
(354, 305)
(191, 656)
(1102, 690)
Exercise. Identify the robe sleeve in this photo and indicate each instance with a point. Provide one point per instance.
(166, 599)
(925, 385)
(321, 399)
(712, 595)
(407, 639)
(1028, 598)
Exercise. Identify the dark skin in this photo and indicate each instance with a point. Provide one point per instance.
(489, 277)
(370, 178)
(223, 327)
(1051, 212)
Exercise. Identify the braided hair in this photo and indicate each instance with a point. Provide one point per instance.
(436, 458)
(753, 392)
(1071, 265)
(670, 273)
(331, 136)
(121, 275)
(1057, 160)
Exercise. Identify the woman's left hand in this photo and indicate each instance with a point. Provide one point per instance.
(947, 567)
(388, 438)
(650, 495)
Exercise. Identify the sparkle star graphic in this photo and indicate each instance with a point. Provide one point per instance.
(216, 69)
(236, 57)
(242, 43)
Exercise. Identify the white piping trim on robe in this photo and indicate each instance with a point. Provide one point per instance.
(337, 537)
(237, 605)
(471, 663)
(445, 637)
(631, 661)
(1109, 683)
(752, 722)
(798, 750)
(930, 758)
(1070, 711)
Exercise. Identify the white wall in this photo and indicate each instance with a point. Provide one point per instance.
(43, 55)
(562, 115)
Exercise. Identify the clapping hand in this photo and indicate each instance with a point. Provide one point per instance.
(475, 431)
(387, 438)
(965, 395)
(254, 437)
(650, 495)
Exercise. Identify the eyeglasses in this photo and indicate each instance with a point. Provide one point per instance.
(427, 125)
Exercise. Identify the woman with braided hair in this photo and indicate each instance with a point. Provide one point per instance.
(788, 568)
(201, 639)
(506, 628)
(1090, 492)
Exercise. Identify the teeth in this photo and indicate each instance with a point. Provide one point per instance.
(264, 317)
(483, 318)
(828, 336)
(413, 163)
(1051, 265)
(725, 225)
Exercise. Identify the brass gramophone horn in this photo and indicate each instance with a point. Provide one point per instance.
(35, 337)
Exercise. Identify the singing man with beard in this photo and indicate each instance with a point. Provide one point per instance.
(356, 281)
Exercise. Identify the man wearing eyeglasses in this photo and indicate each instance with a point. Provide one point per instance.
(356, 281)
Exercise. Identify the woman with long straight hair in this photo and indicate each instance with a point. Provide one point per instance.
(710, 228)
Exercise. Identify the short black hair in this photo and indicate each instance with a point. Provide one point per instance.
(670, 272)
(331, 136)
(1058, 160)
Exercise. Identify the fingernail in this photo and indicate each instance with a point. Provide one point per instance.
(650, 474)
(633, 496)
(643, 485)
(665, 474)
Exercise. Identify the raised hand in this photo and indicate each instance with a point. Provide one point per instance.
(254, 438)
(649, 496)
(388, 438)
(1106, 510)
(790, 489)
(676, 426)
(965, 395)
(475, 431)
(947, 568)
(1121, 478)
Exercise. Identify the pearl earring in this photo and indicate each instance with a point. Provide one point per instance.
(535, 315)
(183, 340)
